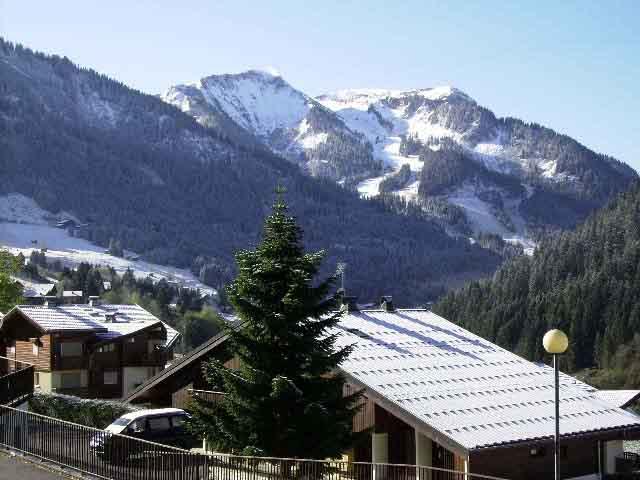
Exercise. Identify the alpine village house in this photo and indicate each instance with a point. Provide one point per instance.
(438, 395)
(88, 350)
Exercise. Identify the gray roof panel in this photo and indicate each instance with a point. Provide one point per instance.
(465, 387)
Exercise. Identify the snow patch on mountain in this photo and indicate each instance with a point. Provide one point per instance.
(256, 100)
(25, 227)
(15, 207)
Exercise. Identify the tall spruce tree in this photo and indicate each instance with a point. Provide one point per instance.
(286, 399)
(10, 291)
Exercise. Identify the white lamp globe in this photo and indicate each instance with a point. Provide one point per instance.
(555, 341)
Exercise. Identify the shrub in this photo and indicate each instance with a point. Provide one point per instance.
(89, 412)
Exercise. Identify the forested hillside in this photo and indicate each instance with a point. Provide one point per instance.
(142, 173)
(586, 282)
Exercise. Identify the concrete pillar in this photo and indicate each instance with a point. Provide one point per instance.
(379, 454)
(424, 451)
(612, 450)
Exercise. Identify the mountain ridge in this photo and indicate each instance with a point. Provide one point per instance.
(142, 173)
(402, 128)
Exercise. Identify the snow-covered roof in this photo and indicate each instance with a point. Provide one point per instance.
(619, 398)
(32, 289)
(459, 386)
(107, 321)
(72, 293)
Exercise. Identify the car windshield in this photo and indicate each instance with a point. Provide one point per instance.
(118, 425)
(121, 422)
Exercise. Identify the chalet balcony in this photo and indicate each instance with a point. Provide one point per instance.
(16, 381)
(148, 359)
(182, 398)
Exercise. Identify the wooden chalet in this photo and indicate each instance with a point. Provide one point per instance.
(438, 395)
(89, 350)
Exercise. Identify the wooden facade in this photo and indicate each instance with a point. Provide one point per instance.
(36, 351)
(83, 363)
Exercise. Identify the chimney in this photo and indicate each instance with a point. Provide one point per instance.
(386, 304)
(51, 301)
(349, 304)
(94, 300)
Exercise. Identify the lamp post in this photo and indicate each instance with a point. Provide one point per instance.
(556, 342)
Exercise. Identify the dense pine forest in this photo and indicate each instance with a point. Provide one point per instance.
(586, 282)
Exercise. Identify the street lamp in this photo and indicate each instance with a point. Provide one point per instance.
(556, 342)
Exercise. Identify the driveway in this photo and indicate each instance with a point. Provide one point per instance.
(12, 468)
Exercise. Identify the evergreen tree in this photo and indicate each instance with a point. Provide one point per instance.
(10, 291)
(286, 399)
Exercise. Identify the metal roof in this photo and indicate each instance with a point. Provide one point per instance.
(619, 398)
(33, 289)
(462, 386)
(97, 319)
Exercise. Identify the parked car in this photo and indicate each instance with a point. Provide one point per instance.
(164, 426)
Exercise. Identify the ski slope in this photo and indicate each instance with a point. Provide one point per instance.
(25, 227)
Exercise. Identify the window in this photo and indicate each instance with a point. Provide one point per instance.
(71, 349)
(36, 379)
(35, 349)
(70, 380)
(111, 377)
(178, 421)
(537, 451)
(109, 347)
(155, 346)
(131, 340)
(138, 426)
(11, 347)
(159, 424)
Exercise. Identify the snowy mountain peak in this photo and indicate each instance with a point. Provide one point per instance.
(371, 95)
(289, 122)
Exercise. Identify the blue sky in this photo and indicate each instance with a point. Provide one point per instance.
(573, 65)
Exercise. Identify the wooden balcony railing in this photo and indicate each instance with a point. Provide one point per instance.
(182, 398)
(16, 381)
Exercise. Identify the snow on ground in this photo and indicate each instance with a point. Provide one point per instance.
(478, 212)
(18, 237)
(15, 207)
(482, 219)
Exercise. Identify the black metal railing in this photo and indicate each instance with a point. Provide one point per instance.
(16, 380)
(117, 457)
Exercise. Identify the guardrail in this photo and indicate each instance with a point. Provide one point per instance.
(16, 380)
(118, 457)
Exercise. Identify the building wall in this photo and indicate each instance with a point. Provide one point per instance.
(24, 352)
(57, 385)
(518, 463)
(132, 377)
(44, 381)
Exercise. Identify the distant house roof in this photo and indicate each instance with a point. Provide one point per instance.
(72, 293)
(106, 321)
(32, 289)
(460, 388)
(619, 398)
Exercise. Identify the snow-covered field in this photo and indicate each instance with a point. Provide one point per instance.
(23, 222)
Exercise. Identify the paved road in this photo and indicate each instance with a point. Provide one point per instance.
(12, 468)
